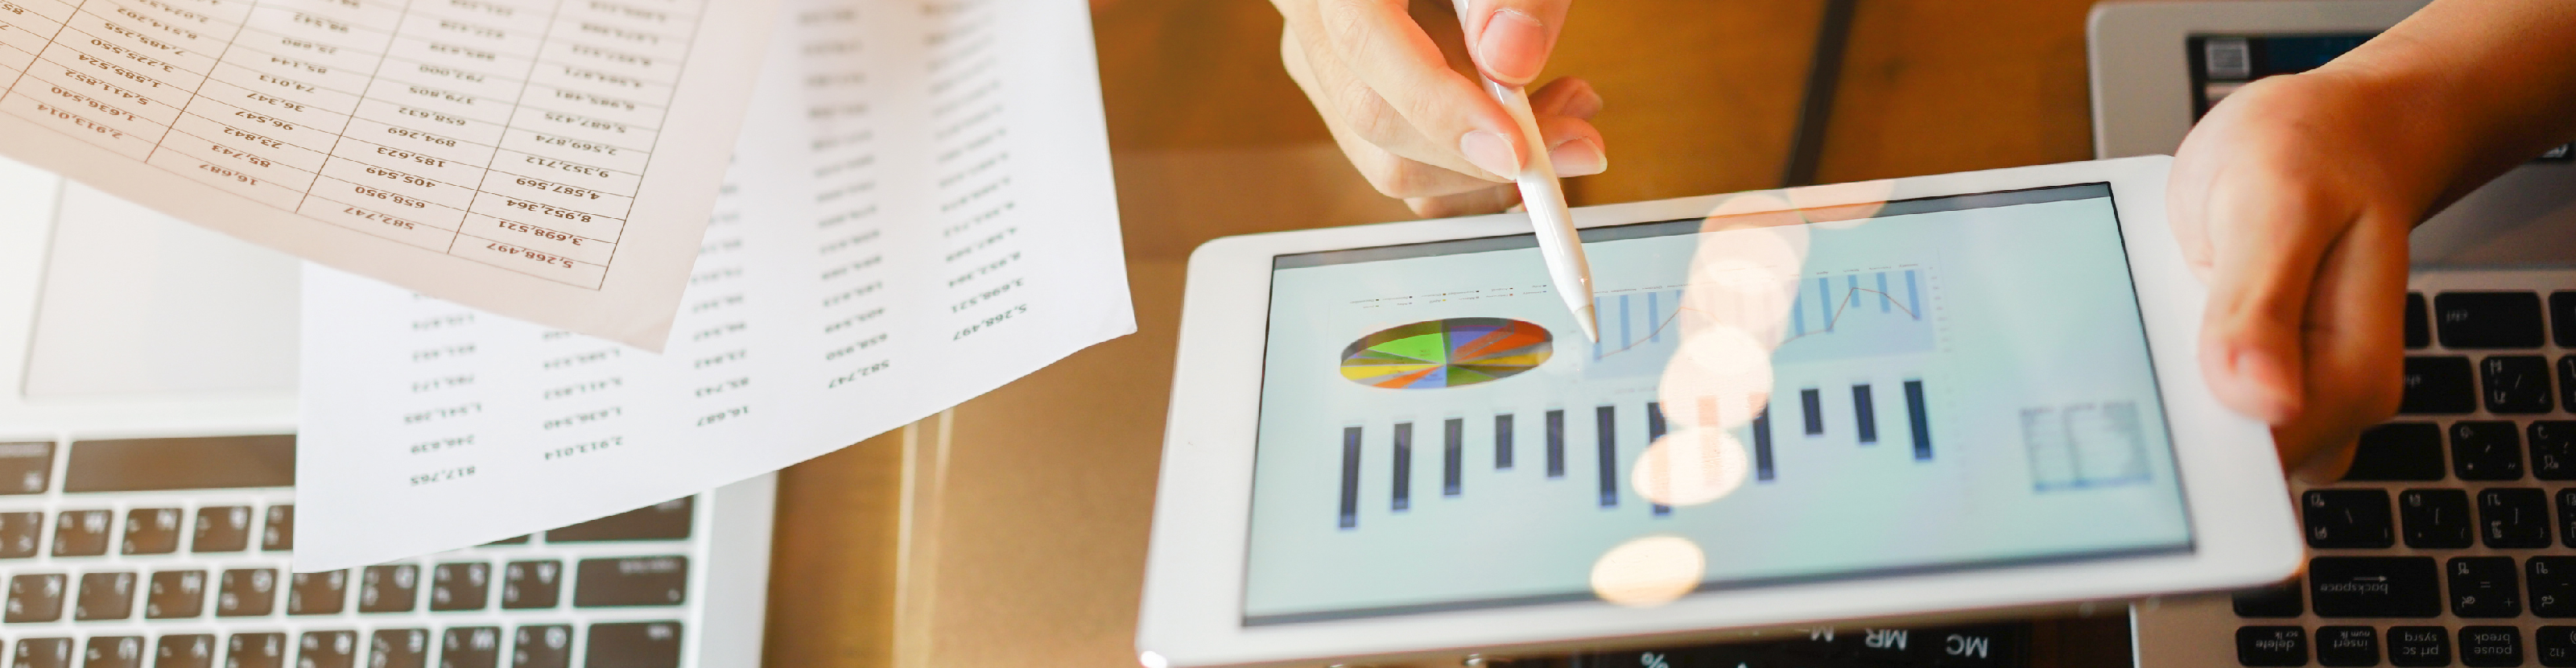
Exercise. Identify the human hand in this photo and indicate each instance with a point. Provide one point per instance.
(1415, 126)
(2292, 200)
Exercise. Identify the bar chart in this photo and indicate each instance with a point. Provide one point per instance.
(1861, 313)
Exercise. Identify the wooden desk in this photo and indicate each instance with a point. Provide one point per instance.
(1012, 531)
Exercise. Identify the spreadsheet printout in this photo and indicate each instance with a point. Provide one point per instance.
(919, 211)
(549, 160)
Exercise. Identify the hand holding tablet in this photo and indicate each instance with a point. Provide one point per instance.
(1961, 392)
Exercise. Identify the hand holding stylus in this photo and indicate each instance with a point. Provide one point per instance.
(1416, 127)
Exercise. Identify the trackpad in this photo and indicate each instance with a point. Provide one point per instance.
(135, 302)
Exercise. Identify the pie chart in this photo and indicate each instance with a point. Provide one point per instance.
(1446, 353)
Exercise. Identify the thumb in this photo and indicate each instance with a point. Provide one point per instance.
(1511, 39)
(2268, 236)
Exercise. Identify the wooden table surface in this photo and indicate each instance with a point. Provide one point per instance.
(1011, 532)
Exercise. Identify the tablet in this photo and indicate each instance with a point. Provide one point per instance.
(1950, 393)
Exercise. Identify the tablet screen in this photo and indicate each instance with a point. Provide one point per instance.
(1850, 392)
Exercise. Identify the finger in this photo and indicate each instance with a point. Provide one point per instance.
(2355, 349)
(1491, 199)
(2268, 233)
(1511, 39)
(1566, 96)
(1391, 174)
(1573, 146)
(1401, 66)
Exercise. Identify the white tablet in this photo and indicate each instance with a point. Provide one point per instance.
(1963, 392)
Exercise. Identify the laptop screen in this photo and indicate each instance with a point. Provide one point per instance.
(2221, 64)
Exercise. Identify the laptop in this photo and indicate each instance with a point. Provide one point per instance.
(147, 487)
(2453, 540)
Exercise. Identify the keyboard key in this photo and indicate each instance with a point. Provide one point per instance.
(2488, 319)
(317, 593)
(2486, 450)
(152, 531)
(2347, 646)
(2513, 518)
(2562, 310)
(195, 650)
(1984, 646)
(471, 647)
(2484, 587)
(2280, 600)
(105, 596)
(2516, 384)
(2419, 646)
(113, 652)
(2553, 449)
(2374, 587)
(2437, 518)
(42, 653)
(460, 586)
(2553, 585)
(81, 533)
(522, 539)
(631, 581)
(2398, 451)
(668, 520)
(222, 529)
(389, 588)
(24, 467)
(2419, 332)
(531, 584)
(2439, 386)
(2272, 646)
(279, 533)
(657, 645)
(2555, 646)
(399, 648)
(247, 592)
(2490, 646)
(327, 649)
(2567, 382)
(201, 462)
(2348, 518)
(548, 646)
(176, 595)
(20, 534)
(35, 598)
(256, 650)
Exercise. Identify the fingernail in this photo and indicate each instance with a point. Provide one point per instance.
(2278, 389)
(1583, 106)
(1513, 47)
(1491, 153)
(1578, 157)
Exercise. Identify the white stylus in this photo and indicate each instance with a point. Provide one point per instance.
(1558, 243)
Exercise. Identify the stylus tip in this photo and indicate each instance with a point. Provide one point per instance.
(1591, 327)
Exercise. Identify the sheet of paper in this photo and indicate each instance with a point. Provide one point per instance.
(550, 160)
(920, 211)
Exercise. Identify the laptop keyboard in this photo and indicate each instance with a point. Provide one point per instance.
(2452, 541)
(173, 553)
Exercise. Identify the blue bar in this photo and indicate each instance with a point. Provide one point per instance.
(1556, 444)
(1762, 445)
(1596, 318)
(1350, 477)
(1851, 293)
(1403, 466)
(1608, 419)
(1798, 315)
(1912, 304)
(1654, 318)
(1452, 455)
(1865, 412)
(1814, 402)
(1920, 419)
(1503, 442)
(1825, 302)
(1655, 432)
(1885, 302)
(1626, 338)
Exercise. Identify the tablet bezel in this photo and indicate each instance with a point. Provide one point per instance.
(1192, 611)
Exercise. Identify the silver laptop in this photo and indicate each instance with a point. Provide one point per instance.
(147, 500)
(2453, 540)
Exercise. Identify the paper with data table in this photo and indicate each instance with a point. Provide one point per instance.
(551, 160)
(920, 211)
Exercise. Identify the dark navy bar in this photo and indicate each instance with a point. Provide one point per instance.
(1865, 412)
(1403, 465)
(1608, 419)
(1452, 454)
(1556, 444)
(1814, 401)
(1503, 441)
(1655, 432)
(1762, 445)
(1350, 477)
(1921, 419)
